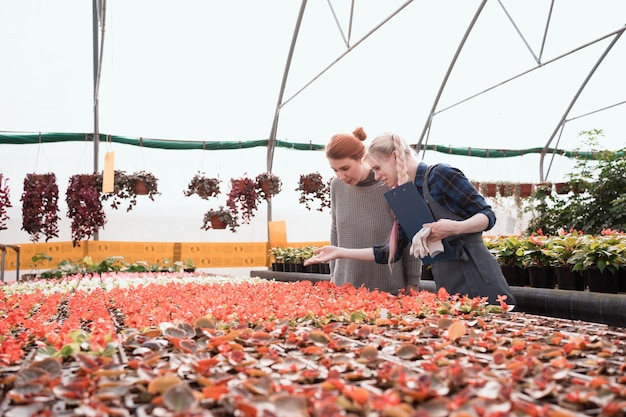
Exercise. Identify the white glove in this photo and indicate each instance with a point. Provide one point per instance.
(419, 246)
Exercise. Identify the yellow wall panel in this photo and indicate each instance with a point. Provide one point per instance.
(202, 254)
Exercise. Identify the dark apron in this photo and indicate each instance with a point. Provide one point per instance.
(475, 272)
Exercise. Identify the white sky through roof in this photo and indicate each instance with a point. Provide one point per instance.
(208, 70)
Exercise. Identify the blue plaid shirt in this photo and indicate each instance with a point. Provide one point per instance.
(453, 191)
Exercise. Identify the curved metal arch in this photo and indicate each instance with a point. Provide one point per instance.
(271, 144)
(448, 72)
(563, 120)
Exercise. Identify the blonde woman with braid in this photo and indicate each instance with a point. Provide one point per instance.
(461, 215)
(356, 195)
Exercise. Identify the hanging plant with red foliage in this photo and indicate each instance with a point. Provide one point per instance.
(268, 185)
(243, 198)
(84, 207)
(40, 206)
(5, 202)
(313, 187)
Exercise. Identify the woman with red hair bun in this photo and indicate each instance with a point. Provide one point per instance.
(361, 217)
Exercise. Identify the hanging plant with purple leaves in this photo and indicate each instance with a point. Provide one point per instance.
(5, 202)
(243, 198)
(84, 207)
(40, 206)
(312, 187)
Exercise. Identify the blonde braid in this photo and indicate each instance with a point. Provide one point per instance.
(384, 146)
(401, 158)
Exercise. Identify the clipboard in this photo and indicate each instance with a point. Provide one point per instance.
(412, 212)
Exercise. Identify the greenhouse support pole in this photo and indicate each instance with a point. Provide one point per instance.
(271, 143)
(98, 19)
(573, 101)
(445, 78)
(96, 59)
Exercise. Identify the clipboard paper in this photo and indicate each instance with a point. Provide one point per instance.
(412, 212)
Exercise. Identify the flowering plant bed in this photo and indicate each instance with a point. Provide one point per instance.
(200, 345)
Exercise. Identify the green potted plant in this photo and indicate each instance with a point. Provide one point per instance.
(268, 185)
(277, 255)
(599, 258)
(538, 259)
(509, 253)
(203, 186)
(563, 247)
(84, 207)
(243, 198)
(189, 266)
(220, 219)
(5, 202)
(312, 187)
(37, 260)
(40, 206)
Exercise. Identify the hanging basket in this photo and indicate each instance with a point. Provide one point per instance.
(216, 223)
(141, 188)
(488, 189)
(561, 188)
(525, 189)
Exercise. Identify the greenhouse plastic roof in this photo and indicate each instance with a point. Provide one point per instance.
(499, 75)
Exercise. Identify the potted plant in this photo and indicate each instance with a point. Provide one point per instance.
(268, 185)
(40, 206)
(312, 187)
(505, 188)
(5, 202)
(84, 206)
(220, 219)
(509, 253)
(243, 198)
(538, 258)
(37, 259)
(488, 189)
(563, 246)
(189, 266)
(561, 187)
(599, 258)
(141, 183)
(120, 189)
(278, 258)
(203, 186)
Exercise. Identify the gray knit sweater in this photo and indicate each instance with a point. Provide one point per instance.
(362, 218)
